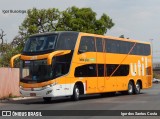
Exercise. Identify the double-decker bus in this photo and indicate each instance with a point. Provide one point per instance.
(74, 63)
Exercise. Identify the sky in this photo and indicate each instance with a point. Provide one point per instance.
(136, 19)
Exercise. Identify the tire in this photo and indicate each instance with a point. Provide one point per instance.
(76, 93)
(137, 88)
(130, 88)
(47, 99)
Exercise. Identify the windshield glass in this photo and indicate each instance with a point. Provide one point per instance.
(35, 71)
(38, 71)
(40, 43)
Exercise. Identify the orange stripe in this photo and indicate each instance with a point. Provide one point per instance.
(86, 85)
(37, 85)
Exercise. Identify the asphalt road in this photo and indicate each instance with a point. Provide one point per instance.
(149, 99)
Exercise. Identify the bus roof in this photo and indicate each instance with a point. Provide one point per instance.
(54, 32)
(91, 34)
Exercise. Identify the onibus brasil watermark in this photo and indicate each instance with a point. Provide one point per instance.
(80, 113)
(21, 113)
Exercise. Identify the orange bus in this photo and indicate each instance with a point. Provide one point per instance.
(74, 63)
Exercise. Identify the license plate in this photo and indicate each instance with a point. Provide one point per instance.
(32, 94)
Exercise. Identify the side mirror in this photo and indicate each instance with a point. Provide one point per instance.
(12, 60)
(56, 53)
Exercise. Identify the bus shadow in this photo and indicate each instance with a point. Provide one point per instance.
(68, 99)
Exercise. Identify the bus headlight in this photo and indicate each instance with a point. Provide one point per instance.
(48, 92)
(51, 85)
(45, 87)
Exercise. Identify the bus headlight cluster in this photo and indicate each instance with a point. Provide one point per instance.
(53, 84)
(45, 87)
(49, 86)
(38, 89)
(48, 92)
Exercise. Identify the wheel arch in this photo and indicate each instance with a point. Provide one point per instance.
(140, 81)
(131, 80)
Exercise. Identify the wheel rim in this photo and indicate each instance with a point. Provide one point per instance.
(137, 87)
(77, 92)
(130, 88)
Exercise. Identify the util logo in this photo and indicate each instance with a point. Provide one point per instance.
(139, 67)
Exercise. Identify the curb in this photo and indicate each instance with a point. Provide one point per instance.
(23, 98)
(16, 99)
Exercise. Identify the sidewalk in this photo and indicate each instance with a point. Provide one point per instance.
(17, 98)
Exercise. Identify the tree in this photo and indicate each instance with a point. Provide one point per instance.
(84, 20)
(2, 42)
(47, 20)
(2, 36)
(71, 19)
(7, 50)
(38, 21)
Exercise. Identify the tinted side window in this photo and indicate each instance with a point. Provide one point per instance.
(59, 69)
(141, 49)
(123, 70)
(87, 44)
(124, 47)
(112, 46)
(100, 70)
(147, 49)
(66, 41)
(88, 70)
(99, 44)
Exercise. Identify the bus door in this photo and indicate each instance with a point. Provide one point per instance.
(100, 64)
(87, 60)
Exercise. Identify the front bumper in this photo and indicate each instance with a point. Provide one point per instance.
(37, 92)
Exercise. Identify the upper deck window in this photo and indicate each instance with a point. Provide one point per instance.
(67, 41)
(87, 44)
(126, 47)
(40, 43)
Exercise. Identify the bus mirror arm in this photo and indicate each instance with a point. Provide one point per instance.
(56, 53)
(12, 60)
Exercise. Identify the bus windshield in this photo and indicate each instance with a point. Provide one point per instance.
(35, 71)
(38, 71)
(40, 43)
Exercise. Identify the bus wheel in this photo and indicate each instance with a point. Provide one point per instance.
(137, 88)
(130, 88)
(47, 99)
(76, 93)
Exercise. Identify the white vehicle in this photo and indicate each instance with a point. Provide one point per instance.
(155, 80)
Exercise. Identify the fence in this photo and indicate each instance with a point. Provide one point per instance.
(9, 82)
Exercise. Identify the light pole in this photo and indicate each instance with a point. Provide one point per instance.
(152, 47)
